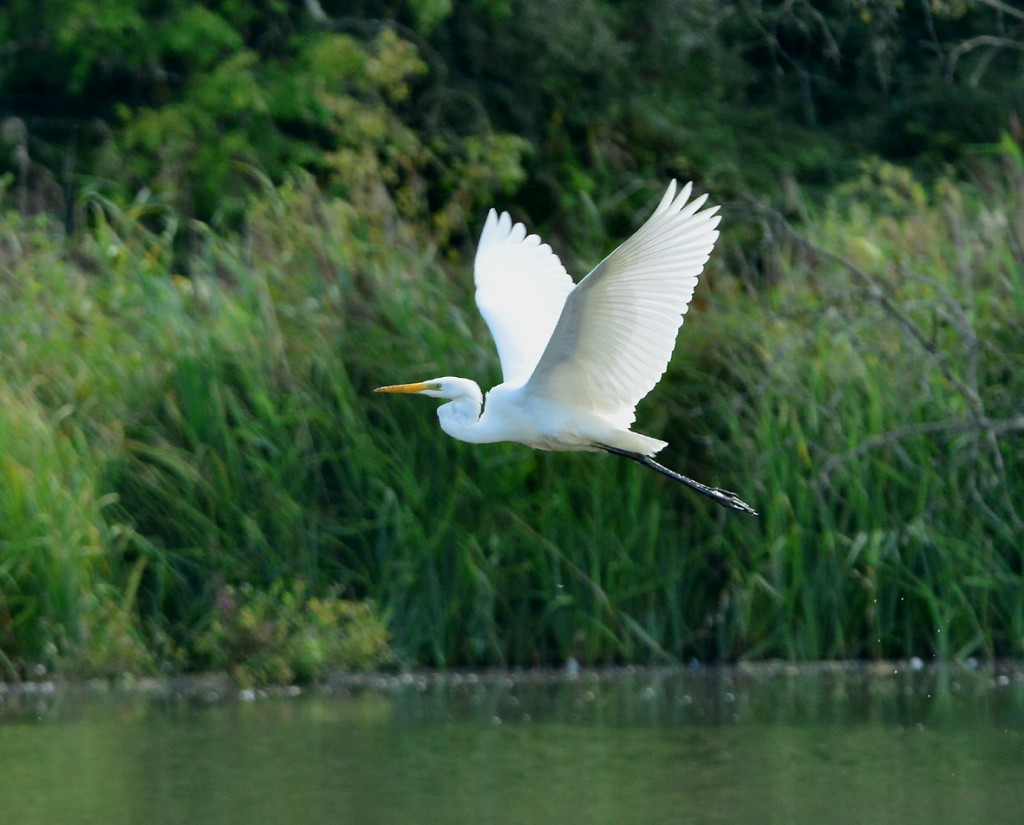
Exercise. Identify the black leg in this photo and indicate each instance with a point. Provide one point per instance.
(723, 497)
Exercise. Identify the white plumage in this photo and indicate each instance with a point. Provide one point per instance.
(577, 358)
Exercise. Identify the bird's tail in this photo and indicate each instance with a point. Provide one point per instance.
(627, 441)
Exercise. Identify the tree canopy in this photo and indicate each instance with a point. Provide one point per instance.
(433, 106)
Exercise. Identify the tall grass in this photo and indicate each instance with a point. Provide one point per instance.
(167, 433)
(882, 406)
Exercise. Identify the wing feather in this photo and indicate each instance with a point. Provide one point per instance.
(521, 287)
(618, 327)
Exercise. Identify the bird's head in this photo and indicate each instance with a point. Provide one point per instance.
(448, 387)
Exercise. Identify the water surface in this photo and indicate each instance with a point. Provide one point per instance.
(762, 745)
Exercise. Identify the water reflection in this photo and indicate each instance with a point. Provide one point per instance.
(769, 744)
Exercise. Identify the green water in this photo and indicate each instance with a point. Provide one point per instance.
(774, 745)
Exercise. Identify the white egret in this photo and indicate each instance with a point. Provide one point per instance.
(577, 358)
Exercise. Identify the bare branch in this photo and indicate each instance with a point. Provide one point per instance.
(895, 437)
(978, 42)
(999, 6)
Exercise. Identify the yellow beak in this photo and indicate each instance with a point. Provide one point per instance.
(418, 387)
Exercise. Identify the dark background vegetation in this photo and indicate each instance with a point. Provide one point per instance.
(224, 222)
(178, 97)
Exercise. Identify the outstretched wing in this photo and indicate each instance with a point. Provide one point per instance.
(521, 288)
(618, 328)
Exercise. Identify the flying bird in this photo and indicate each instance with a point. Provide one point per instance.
(577, 358)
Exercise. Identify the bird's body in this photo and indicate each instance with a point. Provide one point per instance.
(576, 358)
(512, 413)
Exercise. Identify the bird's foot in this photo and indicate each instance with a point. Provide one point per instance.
(729, 499)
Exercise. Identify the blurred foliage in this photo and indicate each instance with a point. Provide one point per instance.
(427, 108)
(223, 222)
(183, 101)
(283, 635)
(180, 452)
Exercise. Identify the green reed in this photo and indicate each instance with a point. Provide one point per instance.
(168, 433)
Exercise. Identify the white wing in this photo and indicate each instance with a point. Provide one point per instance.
(617, 331)
(521, 288)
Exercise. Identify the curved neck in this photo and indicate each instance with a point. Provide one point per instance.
(460, 417)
